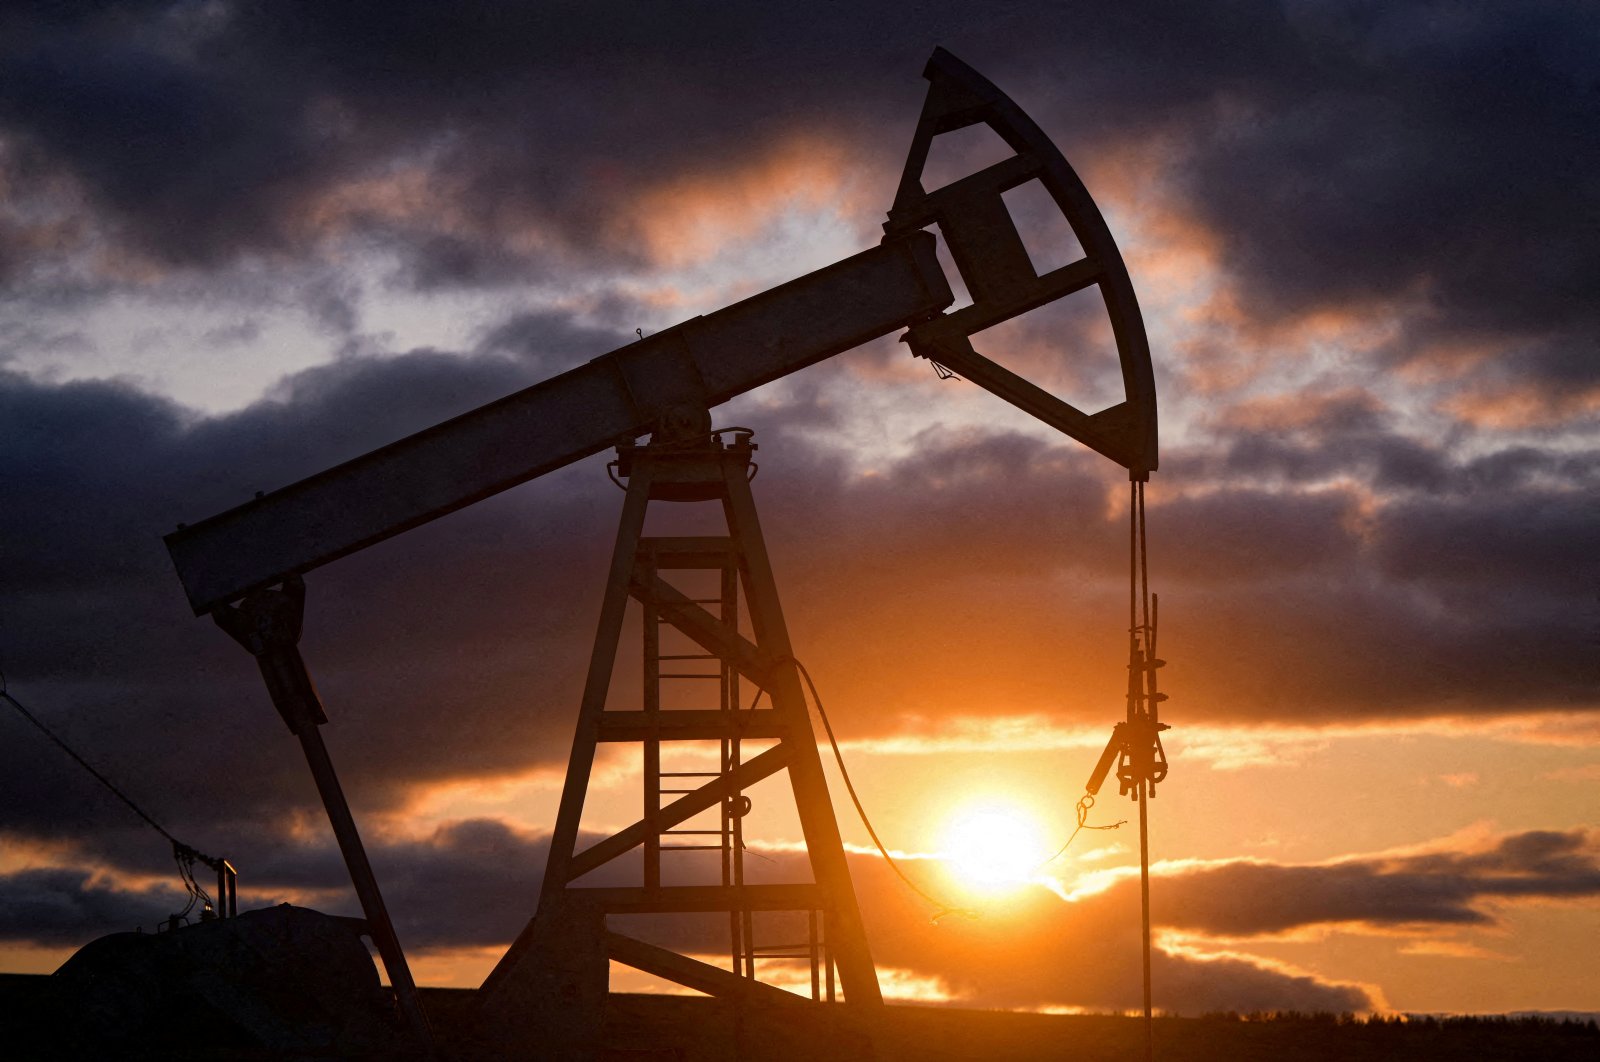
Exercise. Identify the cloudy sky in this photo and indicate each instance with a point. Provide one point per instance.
(241, 242)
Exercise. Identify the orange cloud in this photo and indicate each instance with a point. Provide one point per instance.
(415, 192)
(1299, 410)
(1454, 949)
(692, 218)
(1509, 407)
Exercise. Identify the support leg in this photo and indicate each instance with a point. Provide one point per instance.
(268, 624)
(846, 933)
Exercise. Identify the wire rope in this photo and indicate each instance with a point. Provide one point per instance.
(1143, 704)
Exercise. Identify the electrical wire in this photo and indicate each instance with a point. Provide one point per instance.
(943, 908)
(861, 811)
(86, 765)
(184, 855)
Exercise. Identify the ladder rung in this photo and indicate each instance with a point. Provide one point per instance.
(691, 774)
(689, 656)
(691, 848)
(693, 833)
(692, 674)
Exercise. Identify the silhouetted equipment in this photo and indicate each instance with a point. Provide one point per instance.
(283, 979)
(226, 904)
(244, 566)
(704, 362)
(710, 659)
(1135, 745)
(186, 856)
(267, 623)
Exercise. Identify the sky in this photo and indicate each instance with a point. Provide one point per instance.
(240, 243)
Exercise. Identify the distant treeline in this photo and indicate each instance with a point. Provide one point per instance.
(1579, 1026)
(1231, 1036)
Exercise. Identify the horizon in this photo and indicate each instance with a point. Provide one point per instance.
(241, 245)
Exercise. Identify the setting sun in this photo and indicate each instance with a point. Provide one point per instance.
(994, 846)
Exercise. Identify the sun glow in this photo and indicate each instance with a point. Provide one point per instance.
(994, 846)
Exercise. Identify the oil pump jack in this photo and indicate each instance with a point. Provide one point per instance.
(244, 567)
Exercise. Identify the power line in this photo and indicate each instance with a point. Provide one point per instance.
(5, 694)
(185, 855)
(944, 908)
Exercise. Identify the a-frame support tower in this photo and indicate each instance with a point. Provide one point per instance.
(558, 962)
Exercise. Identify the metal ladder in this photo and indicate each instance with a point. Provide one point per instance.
(728, 837)
(690, 696)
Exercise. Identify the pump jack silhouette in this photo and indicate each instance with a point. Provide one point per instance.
(244, 567)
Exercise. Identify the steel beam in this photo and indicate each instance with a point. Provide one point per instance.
(999, 274)
(704, 629)
(615, 398)
(817, 823)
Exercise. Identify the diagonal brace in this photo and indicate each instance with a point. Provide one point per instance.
(685, 807)
(692, 973)
(705, 629)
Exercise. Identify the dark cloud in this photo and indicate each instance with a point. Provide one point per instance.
(1445, 888)
(1323, 555)
(188, 154)
(1343, 152)
(1531, 541)
(205, 133)
(455, 651)
(57, 907)
(551, 337)
(1413, 149)
(96, 640)
(475, 883)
